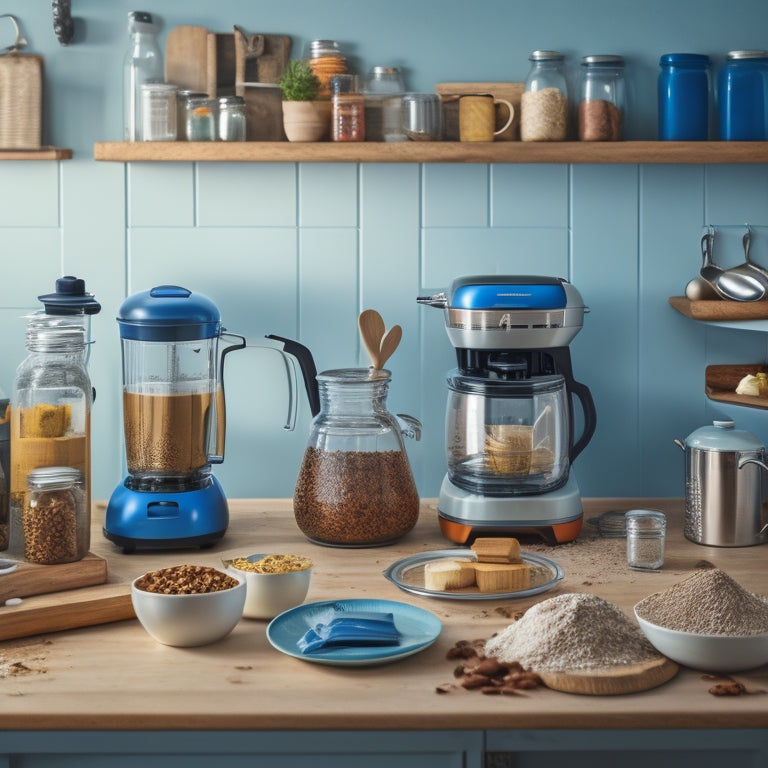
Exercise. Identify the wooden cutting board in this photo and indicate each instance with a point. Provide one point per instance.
(56, 597)
(186, 58)
(613, 681)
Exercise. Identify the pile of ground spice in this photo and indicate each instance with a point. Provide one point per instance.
(708, 603)
(574, 631)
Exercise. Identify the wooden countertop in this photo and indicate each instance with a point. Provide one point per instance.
(115, 676)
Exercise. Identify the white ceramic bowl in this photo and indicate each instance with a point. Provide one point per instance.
(709, 653)
(189, 620)
(269, 594)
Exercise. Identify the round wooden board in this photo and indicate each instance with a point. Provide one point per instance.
(613, 680)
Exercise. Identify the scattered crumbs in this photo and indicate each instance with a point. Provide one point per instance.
(244, 667)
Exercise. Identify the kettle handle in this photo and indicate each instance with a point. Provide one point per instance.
(306, 362)
(215, 454)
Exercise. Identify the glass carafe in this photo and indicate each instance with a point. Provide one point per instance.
(355, 487)
(507, 437)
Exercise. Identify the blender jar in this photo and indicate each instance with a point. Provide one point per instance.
(355, 487)
(507, 437)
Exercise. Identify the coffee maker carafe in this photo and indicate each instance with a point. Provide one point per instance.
(510, 420)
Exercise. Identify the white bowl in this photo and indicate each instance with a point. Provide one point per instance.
(189, 620)
(269, 594)
(709, 653)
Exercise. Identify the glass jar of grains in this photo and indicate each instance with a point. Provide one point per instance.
(544, 103)
(355, 487)
(602, 102)
(348, 109)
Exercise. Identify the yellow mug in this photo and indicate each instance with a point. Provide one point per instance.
(477, 117)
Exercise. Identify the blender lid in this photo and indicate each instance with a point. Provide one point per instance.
(493, 387)
(168, 313)
(70, 298)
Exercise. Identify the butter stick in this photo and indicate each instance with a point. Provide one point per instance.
(497, 550)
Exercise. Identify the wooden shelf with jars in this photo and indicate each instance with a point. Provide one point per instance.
(636, 152)
(44, 153)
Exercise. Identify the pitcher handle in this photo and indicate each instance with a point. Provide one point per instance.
(410, 426)
(216, 434)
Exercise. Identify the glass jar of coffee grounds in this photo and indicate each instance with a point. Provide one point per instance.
(355, 487)
(602, 102)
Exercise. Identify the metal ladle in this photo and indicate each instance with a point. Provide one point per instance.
(749, 268)
(732, 284)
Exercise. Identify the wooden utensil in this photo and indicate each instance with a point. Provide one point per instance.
(389, 344)
(372, 330)
(186, 58)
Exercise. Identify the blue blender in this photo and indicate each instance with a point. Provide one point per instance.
(174, 421)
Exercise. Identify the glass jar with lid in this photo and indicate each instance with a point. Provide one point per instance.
(231, 118)
(158, 112)
(201, 119)
(384, 90)
(348, 109)
(544, 103)
(742, 95)
(602, 101)
(355, 487)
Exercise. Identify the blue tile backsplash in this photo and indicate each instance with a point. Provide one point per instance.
(300, 249)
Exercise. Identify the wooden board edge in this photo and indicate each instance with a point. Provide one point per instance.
(613, 682)
(30, 580)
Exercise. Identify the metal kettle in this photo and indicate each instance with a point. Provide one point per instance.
(724, 499)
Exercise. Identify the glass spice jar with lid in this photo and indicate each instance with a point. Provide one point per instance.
(602, 100)
(231, 118)
(348, 109)
(201, 119)
(544, 103)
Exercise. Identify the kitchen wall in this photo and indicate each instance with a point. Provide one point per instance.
(300, 249)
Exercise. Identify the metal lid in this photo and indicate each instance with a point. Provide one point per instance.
(70, 298)
(603, 60)
(546, 56)
(52, 478)
(723, 436)
(231, 101)
(168, 313)
(734, 55)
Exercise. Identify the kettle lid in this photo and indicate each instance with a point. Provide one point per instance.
(723, 436)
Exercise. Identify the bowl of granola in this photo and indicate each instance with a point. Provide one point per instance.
(188, 605)
(274, 583)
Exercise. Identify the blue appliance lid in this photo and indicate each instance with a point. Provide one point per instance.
(168, 313)
(506, 292)
(70, 298)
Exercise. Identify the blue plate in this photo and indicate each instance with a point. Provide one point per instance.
(418, 629)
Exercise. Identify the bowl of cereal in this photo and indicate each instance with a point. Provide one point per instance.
(188, 605)
(274, 583)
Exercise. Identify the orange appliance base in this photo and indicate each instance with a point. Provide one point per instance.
(556, 533)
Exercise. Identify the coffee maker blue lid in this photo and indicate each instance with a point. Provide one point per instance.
(168, 313)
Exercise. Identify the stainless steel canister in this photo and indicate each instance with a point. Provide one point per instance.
(724, 499)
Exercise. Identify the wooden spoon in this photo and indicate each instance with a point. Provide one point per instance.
(389, 344)
(372, 330)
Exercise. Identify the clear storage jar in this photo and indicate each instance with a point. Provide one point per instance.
(384, 90)
(544, 103)
(55, 519)
(602, 101)
(231, 118)
(743, 96)
(355, 487)
(348, 109)
(158, 112)
(646, 532)
(200, 116)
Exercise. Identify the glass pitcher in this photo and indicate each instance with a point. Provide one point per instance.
(355, 487)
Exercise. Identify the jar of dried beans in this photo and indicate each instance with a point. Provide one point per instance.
(544, 103)
(355, 487)
(602, 102)
(55, 519)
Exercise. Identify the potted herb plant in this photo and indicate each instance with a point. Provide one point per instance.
(305, 118)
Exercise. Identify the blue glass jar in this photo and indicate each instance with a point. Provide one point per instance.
(743, 96)
(684, 87)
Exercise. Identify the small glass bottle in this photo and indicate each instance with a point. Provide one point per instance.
(158, 112)
(602, 103)
(232, 118)
(742, 91)
(55, 519)
(348, 109)
(544, 103)
(683, 89)
(143, 63)
(201, 119)
(646, 530)
(355, 487)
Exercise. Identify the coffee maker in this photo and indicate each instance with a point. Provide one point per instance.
(510, 417)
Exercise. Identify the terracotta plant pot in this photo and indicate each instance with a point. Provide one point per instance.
(307, 120)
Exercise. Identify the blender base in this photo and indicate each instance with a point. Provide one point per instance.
(166, 520)
(556, 517)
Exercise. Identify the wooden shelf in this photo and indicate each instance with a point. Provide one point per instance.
(720, 382)
(436, 152)
(720, 310)
(44, 153)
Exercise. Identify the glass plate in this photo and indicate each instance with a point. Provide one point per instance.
(418, 629)
(408, 574)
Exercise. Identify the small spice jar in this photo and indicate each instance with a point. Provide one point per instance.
(683, 88)
(158, 112)
(232, 118)
(646, 530)
(544, 103)
(348, 109)
(742, 85)
(55, 520)
(201, 119)
(602, 102)
(181, 111)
